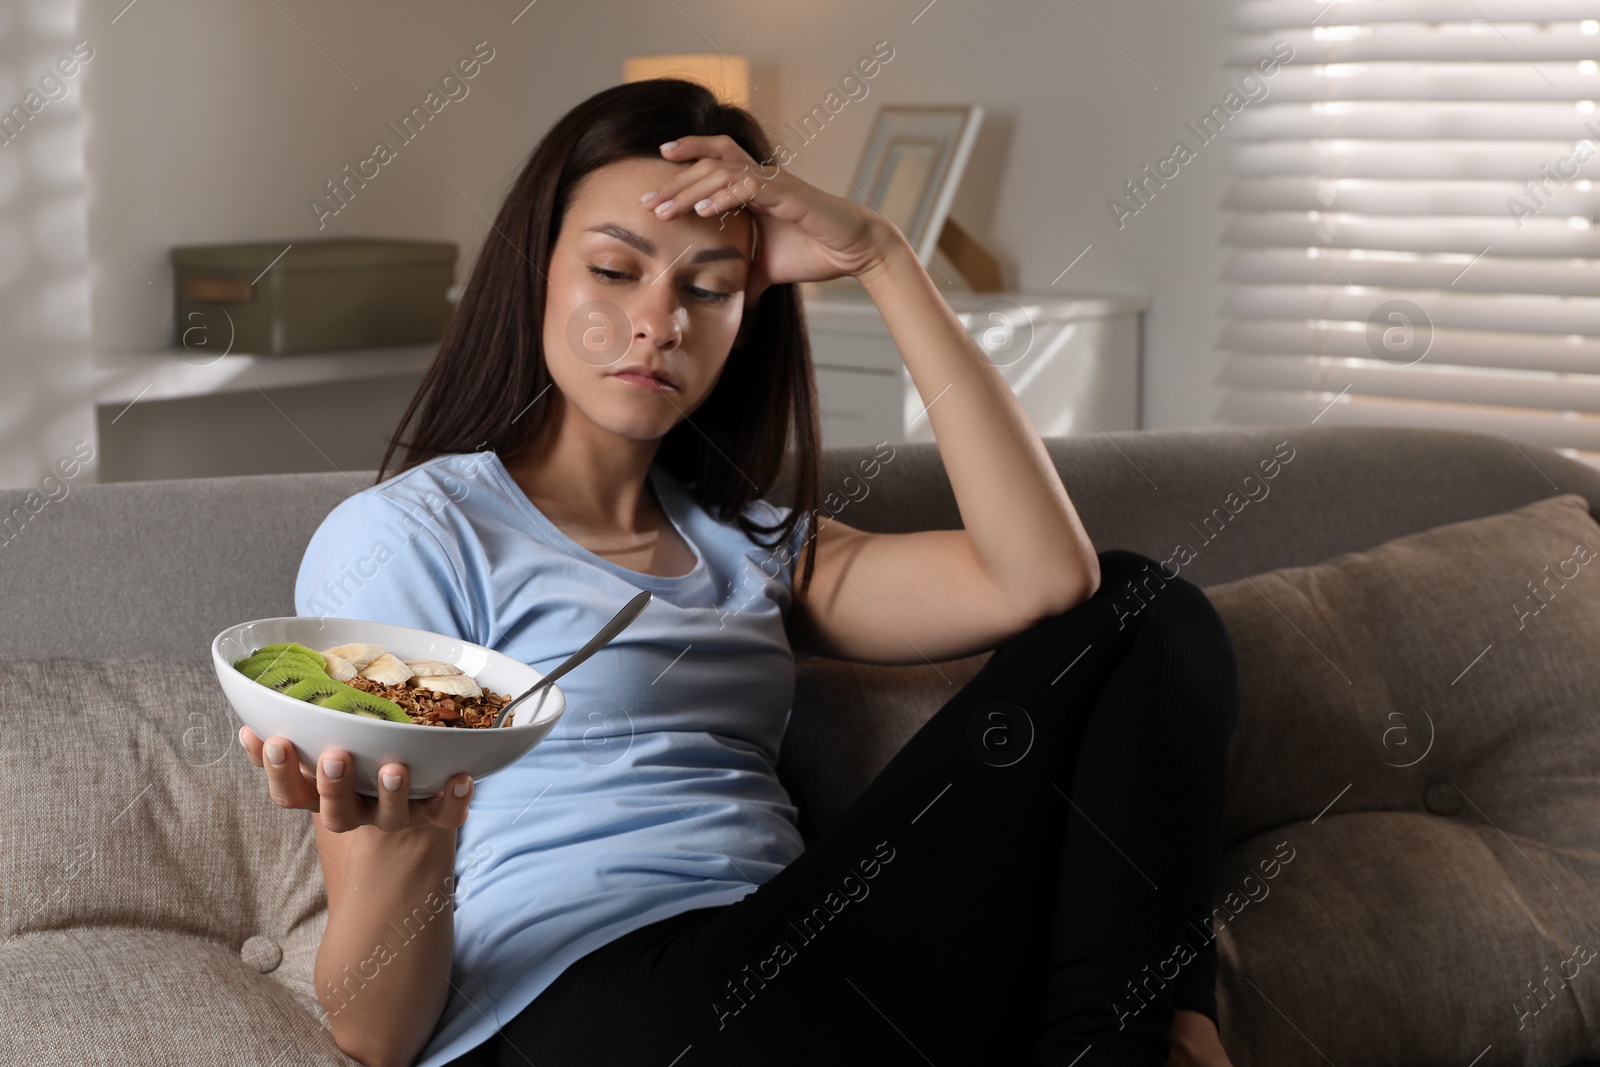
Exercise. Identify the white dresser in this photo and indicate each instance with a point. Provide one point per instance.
(1072, 360)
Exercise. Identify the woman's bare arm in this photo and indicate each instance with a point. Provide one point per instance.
(383, 969)
(1022, 554)
(1021, 527)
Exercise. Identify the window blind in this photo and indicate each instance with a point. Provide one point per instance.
(1411, 233)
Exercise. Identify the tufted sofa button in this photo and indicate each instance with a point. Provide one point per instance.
(1442, 798)
(262, 953)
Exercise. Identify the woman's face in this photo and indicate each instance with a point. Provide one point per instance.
(627, 290)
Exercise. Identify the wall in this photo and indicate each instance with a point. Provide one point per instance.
(216, 122)
(45, 254)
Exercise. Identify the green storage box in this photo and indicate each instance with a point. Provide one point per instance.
(323, 293)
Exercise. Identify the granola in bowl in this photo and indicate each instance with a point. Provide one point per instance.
(427, 708)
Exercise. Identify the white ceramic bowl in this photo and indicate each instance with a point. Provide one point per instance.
(433, 753)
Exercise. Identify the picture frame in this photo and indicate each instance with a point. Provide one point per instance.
(912, 165)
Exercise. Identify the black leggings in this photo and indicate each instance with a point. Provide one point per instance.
(1029, 878)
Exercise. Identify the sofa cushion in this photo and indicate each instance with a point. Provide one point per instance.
(1411, 866)
(138, 820)
(117, 995)
(1412, 836)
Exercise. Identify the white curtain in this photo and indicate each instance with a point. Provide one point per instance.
(1412, 219)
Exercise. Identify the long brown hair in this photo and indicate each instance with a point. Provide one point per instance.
(480, 389)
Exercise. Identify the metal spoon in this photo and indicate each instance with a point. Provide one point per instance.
(619, 622)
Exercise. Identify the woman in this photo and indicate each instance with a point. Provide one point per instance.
(612, 398)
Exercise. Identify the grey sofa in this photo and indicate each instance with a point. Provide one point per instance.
(158, 908)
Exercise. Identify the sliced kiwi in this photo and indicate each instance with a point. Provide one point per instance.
(289, 646)
(281, 678)
(263, 659)
(312, 688)
(258, 666)
(290, 651)
(357, 702)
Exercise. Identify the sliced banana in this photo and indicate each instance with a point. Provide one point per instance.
(453, 685)
(431, 668)
(361, 655)
(387, 669)
(339, 668)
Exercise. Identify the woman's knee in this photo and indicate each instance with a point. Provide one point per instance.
(1134, 587)
(1100, 613)
(1067, 635)
(1129, 582)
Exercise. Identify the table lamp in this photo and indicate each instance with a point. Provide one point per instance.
(726, 76)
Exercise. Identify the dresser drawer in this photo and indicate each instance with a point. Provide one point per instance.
(858, 407)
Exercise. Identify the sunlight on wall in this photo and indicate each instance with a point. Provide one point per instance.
(45, 361)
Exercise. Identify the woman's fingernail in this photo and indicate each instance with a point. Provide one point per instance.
(669, 146)
(647, 197)
(463, 787)
(702, 205)
(664, 205)
(274, 754)
(391, 782)
(333, 768)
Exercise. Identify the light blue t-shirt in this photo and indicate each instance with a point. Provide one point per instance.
(656, 792)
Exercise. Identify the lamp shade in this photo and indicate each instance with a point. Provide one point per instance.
(726, 76)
